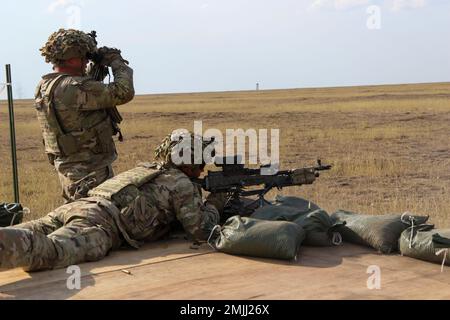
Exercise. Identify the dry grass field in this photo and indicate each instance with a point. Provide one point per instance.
(389, 145)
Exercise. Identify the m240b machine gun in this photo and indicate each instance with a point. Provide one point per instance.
(235, 180)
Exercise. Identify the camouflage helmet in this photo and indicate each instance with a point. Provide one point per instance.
(65, 44)
(165, 151)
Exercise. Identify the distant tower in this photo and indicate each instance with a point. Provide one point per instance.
(257, 86)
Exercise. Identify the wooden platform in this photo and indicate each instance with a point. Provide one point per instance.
(173, 270)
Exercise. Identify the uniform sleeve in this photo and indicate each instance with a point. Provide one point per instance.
(96, 95)
(197, 218)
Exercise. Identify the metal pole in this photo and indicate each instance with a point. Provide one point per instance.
(12, 133)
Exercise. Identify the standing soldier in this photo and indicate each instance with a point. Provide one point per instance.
(77, 111)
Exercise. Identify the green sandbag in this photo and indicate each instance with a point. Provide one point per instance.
(296, 202)
(425, 243)
(278, 212)
(10, 214)
(380, 232)
(320, 229)
(260, 238)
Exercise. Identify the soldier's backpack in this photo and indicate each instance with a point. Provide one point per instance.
(380, 232)
(259, 238)
(426, 243)
(10, 214)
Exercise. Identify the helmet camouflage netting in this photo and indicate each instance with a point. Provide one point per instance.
(65, 44)
(163, 153)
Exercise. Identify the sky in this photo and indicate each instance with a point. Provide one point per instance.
(221, 45)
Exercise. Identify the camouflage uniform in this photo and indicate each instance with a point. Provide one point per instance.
(87, 229)
(74, 114)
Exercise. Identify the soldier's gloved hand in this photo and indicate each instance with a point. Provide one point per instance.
(108, 55)
(218, 200)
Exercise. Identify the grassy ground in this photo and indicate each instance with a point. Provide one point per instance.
(389, 144)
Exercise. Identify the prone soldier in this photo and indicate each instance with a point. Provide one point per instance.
(135, 206)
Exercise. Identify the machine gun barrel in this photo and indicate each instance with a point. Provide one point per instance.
(234, 177)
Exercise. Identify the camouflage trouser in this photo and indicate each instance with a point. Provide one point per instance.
(76, 181)
(73, 233)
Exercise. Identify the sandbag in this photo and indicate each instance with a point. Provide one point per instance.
(296, 202)
(424, 243)
(10, 214)
(320, 229)
(380, 232)
(259, 238)
(278, 212)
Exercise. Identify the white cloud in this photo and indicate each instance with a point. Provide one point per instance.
(397, 5)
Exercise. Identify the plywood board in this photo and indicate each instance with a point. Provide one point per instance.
(172, 270)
